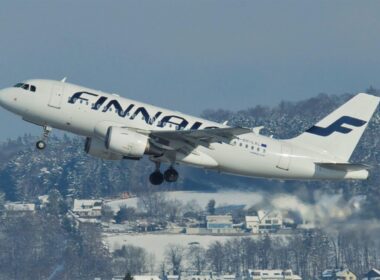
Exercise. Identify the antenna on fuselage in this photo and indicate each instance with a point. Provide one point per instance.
(64, 80)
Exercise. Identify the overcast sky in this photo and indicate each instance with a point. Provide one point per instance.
(192, 55)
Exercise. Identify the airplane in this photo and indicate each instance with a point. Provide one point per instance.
(118, 128)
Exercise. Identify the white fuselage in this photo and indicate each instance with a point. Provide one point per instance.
(91, 112)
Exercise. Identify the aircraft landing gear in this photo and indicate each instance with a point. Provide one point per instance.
(157, 178)
(41, 144)
(171, 175)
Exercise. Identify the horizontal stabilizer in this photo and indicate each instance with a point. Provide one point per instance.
(344, 166)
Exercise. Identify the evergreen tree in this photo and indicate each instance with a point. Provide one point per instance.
(211, 207)
(128, 276)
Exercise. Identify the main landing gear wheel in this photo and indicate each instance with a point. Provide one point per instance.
(41, 144)
(156, 178)
(171, 175)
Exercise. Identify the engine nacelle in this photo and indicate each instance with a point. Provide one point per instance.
(96, 148)
(126, 142)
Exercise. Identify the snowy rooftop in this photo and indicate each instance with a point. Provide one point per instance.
(82, 205)
(20, 206)
(251, 219)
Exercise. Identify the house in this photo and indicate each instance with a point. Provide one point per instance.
(146, 277)
(18, 207)
(90, 208)
(256, 274)
(138, 277)
(338, 274)
(220, 224)
(197, 277)
(265, 221)
(252, 223)
(373, 274)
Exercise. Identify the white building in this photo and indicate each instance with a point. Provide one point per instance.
(197, 277)
(139, 277)
(338, 274)
(265, 221)
(220, 224)
(20, 207)
(252, 223)
(90, 208)
(275, 274)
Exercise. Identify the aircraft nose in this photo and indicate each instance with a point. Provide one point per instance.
(3, 97)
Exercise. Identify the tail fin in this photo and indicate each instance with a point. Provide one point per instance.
(339, 133)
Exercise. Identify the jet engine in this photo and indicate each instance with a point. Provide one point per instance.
(96, 148)
(130, 144)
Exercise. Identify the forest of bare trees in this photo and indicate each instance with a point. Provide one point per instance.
(307, 253)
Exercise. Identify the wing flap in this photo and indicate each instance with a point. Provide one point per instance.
(344, 166)
(207, 135)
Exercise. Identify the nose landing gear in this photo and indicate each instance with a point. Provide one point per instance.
(41, 144)
(157, 178)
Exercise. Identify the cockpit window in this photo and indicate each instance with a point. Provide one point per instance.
(26, 87)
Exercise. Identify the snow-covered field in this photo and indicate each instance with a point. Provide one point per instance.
(157, 243)
(202, 198)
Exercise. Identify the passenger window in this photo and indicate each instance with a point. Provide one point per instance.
(25, 86)
(33, 88)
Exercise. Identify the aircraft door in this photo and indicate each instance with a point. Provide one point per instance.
(56, 95)
(285, 157)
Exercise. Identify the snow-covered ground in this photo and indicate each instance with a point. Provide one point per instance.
(202, 198)
(157, 243)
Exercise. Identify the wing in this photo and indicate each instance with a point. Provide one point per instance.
(181, 138)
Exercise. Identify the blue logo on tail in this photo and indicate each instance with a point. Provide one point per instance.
(337, 126)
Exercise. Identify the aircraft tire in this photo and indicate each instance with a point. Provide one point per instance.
(156, 178)
(40, 145)
(171, 175)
